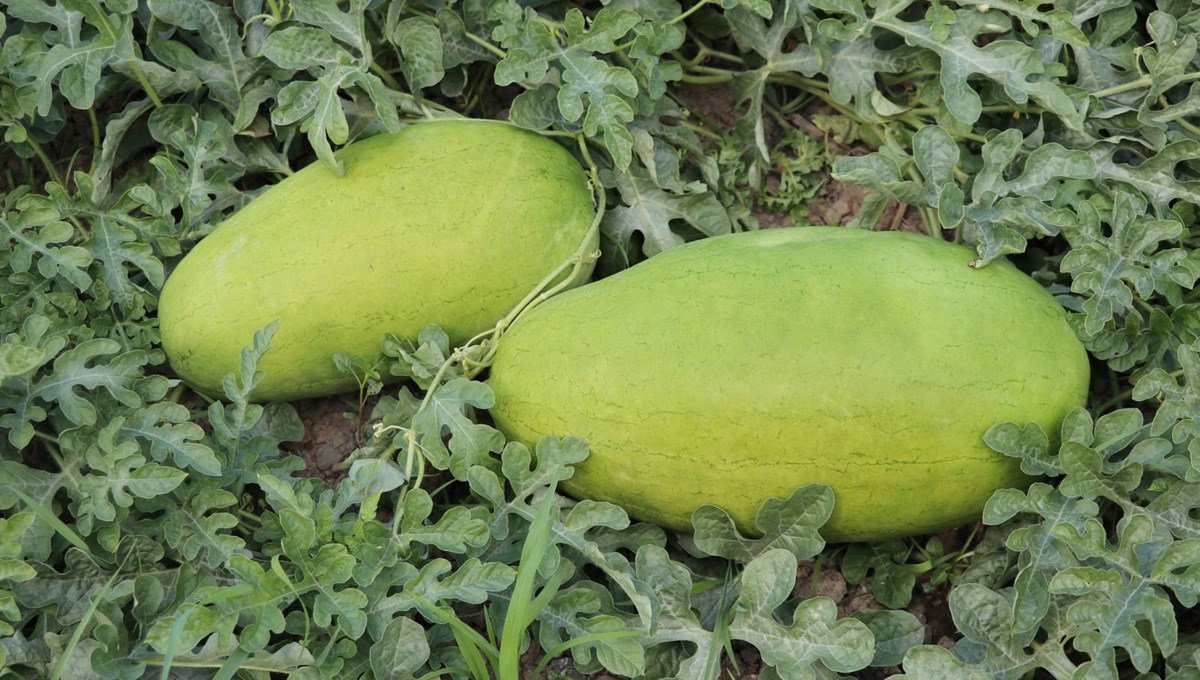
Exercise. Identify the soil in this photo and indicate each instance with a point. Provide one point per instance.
(837, 204)
(331, 432)
(714, 106)
(332, 429)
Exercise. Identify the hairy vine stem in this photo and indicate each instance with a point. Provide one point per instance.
(476, 354)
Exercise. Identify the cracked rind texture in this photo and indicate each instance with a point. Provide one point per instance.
(451, 222)
(740, 367)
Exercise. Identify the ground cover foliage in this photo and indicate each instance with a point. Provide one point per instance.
(147, 533)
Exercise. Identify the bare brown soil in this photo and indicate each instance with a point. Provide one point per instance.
(331, 432)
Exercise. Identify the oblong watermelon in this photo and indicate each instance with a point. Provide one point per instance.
(450, 222)
(741, 367)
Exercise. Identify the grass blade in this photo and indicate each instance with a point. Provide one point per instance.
(43, 513)
(521, 612)
(77, 634)
(558, 650)
(470, 642)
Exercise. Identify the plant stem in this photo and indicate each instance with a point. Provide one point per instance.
(50, 444)
(709, 51)
(149, 89)
(489, 339)
(698, 129)
(928, 217)
(1144, 81)
(807, 84)
(247, 515)
(713, 70)
(933, 110)
(541, 293)
(691, 10)
(422, 107)
(111, 33)
(386, 77)
(1126, 394)
(796, 103)
(95, 138)
(175, 393)
(485, 44)
(1188, 126)
(706, 80)
(37, 149)
(916, 124)
(775, 113)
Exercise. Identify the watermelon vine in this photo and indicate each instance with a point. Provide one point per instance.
(147, 531)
